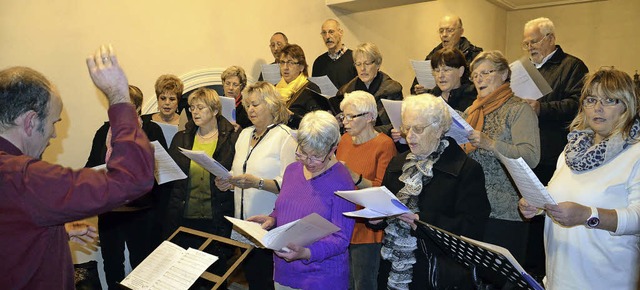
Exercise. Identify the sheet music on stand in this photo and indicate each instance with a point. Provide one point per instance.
(476, 256)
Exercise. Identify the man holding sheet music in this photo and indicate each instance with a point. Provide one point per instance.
(450, 31)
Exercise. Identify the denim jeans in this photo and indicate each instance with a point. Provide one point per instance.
(364, 261)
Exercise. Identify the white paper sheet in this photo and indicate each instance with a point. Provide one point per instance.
(166, 169)
(168, 131)
(377, 202)
(271, 73)
(228, 108)
(422, 69)
(169, 267)
(459, 127)
(207, 162)
(526, 81)
(327, 88)
(527, 182)
(394, 111)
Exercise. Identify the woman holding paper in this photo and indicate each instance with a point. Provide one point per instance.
(592, 234)
(503, 124)
(234, 80)
(367, 60)
(196, 202)
(301, 96)
(263, 152)
(442, 186)
(308, 187)
(361, 139)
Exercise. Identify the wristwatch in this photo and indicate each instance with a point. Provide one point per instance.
(260, 184)
(594, 220)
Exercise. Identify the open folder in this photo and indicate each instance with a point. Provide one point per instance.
(378, 202)
(301, 232)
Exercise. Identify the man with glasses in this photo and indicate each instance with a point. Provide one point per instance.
(278, 41)
(564, 73)
(450, 31)
(337, 62)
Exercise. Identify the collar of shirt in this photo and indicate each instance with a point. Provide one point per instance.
(339, 53)
(544, 60)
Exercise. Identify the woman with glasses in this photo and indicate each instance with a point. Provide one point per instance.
(441, 186)
(263, 152)
(301, 96)
(196, 202)
(451, 73)
(308, 187)
(367, 60)
(234, 80)
(366, 153)
(503, 124)
(592, 234)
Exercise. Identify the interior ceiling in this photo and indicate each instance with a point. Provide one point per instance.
(529, 4)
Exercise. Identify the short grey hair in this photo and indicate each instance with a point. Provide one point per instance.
(361, 101)
(370, 51)
(318, 131)
(430, 106)
(544, 24)
(496, 58)
(235, 71)
(23, 89)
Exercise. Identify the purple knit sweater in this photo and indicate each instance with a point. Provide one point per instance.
(328, 267)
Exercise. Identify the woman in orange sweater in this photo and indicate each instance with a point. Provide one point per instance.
(366, 153)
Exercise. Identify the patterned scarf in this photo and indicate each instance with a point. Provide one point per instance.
(398, 243)
(582, 155)
(483, 106)
(286, 90)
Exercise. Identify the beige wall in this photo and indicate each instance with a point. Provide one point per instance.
(600, 33)
(156, 37)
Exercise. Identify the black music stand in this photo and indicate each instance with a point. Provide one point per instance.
(479, 258)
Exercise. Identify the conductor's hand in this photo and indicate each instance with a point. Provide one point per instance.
(81, 232)
(295, 253)
(527, 210)
(266, 221)
(108, 76)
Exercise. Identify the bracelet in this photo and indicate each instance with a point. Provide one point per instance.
(359, 180)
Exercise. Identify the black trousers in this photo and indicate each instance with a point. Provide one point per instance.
(258, 269)
(117, 229)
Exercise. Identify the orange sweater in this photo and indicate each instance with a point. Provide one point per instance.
(369, 159)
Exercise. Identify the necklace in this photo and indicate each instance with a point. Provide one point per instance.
(255, 136)
(208, 136)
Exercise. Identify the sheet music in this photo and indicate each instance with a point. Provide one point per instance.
(271, 73)
(207, 162)
(327, 88)
(526, 81)
(166, 169)
(228, 109)
(378, 202)
(422, 68)
(169, 267)
(459, 127)
(168, 131)
(527, 182)
(252, 229)
(394, 111)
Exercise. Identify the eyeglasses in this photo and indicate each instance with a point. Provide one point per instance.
(288, 63)
(446, 70)
(415, 129)
(328, 32)
(483, 74)
(346, 117)
(197, 108)
(366, 63)
(233, 85)
(304, 157)
(447, 30)
(527, 44)
(590, 102)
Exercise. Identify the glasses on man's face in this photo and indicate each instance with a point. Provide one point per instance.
(483, 74)
(444, 69)
(199, 108)
(304, 157)
(347, 117)
(590, 102)
(527, 44)
(448, 30)
(232, 85)
(363, 64)
(288, 63)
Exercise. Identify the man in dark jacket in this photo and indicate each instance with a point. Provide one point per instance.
(450, 30)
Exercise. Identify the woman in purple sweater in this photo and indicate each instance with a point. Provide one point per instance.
(308, 186)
